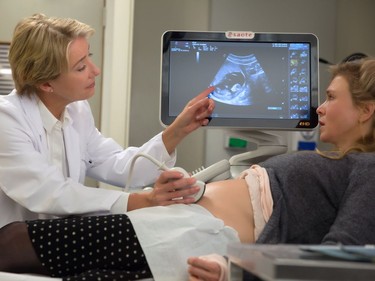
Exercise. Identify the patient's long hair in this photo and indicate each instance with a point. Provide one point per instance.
(360, 75)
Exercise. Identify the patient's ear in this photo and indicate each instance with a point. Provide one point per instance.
(367, 111)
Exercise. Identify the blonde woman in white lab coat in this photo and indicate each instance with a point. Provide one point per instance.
(49, 142)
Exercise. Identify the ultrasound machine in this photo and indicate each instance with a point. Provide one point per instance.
(264, 83)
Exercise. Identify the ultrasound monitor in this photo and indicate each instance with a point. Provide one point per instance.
(263, 81)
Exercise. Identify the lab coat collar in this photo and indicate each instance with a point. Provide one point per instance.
(49, 120)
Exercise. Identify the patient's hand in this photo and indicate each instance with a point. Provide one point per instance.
(203, 269)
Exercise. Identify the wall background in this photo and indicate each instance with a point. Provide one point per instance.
(343, 27)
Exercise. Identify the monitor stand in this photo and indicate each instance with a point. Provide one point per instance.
(267, 144)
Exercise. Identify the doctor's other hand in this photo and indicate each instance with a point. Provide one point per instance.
(195, 114)
(172, 188)
(203, 269)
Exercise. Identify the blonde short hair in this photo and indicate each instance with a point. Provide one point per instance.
(39, 49)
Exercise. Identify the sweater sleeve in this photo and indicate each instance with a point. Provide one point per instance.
(355, 220)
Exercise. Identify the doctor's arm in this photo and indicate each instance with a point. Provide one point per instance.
(109, 169)
(195, 114)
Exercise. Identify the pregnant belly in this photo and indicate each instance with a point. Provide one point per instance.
(230, 201)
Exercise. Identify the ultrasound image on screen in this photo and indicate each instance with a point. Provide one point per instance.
(238, 79)
(252, 80)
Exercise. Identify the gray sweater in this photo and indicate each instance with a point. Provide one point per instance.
(320, 200)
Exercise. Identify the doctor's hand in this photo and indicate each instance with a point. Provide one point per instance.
(170, 188)
(194, 115)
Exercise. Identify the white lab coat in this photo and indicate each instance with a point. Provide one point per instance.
(31, 186)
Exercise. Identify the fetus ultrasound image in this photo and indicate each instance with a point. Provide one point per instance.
(238, 80)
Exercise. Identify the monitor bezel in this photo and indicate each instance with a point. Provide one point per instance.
(241, 123)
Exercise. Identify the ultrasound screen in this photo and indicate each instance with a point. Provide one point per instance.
(255, 82)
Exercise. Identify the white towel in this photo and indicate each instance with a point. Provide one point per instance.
(170, 235)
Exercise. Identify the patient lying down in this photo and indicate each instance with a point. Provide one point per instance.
(145, 243)
(161, 236)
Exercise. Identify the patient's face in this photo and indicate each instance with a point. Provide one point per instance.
(338, 117)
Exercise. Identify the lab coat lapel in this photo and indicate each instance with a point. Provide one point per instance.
(29, 105)
(72, 152)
